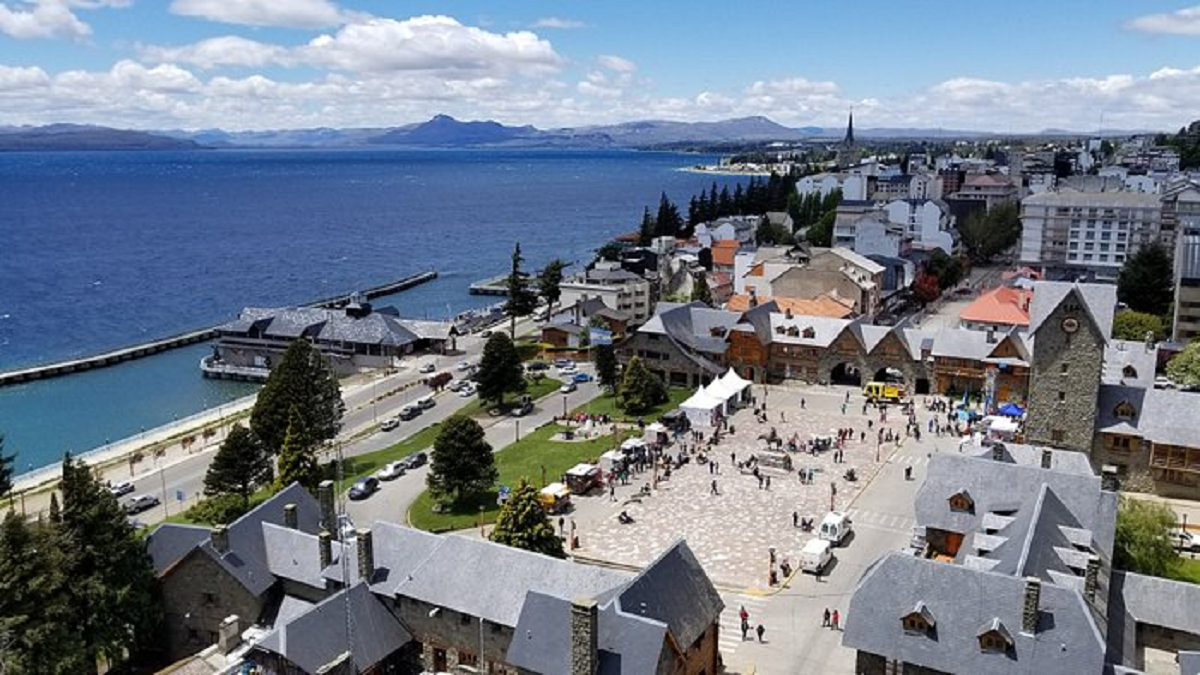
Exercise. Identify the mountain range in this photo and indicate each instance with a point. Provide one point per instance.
(443, 131)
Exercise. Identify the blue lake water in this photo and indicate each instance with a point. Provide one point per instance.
(101, 250)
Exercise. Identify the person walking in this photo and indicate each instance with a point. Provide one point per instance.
(760, 481)
(760, 630)
(795, 519)
(714, 486)
(745, 629)
(835, 620)
(803, 405)
(768, 482)
(612, 492)
(825, 619)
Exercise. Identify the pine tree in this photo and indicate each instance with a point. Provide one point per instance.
(724, 203)
(739, 200)
(298, 461)
(640, 389)
(6, 470)
(1145, 282)
(669, 222)
(110, 577)
(240, 466)
(462, 467)
(714, 204)
(606, 366)
(550, 282)
(693, 212)
(523, 524)
(500, 369)
(700, 290)
(521, 300)
(303, 379)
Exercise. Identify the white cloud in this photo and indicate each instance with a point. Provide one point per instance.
(30, 19)
(428, 43)
(616, 64)
(16, 79)
(1185, 21)
(228, 50)
(281, 13)
(558, 22)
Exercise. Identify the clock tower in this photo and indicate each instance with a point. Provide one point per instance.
(1068, 360)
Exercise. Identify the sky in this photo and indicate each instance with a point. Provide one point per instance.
(1016, 66)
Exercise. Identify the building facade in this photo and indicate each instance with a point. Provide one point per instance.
(618, 289)
(1087, 231)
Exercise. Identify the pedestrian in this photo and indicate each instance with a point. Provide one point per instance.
(825, 620)
(561, 526)
(760, 630)
(612, 492)
(795, 519)
(843, 408)
(760, 481)
(835, 619)
(714, 486)
(745, 629)
(716, 469)
(847, 397)
(744, 615)
(803, 405)
(768, 482)
(733, 458)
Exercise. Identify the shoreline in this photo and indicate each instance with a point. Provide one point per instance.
(721, 172)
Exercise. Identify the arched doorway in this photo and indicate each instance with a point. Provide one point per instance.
(923, 385)
(890, 375)
(847, 374)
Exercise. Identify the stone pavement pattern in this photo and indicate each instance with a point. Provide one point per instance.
(732, 532)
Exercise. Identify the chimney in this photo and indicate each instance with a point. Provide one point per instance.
(1029, 609)
(1108, 478)
(366, 555)
(753, 298)
(229, 634)
(997, 452)
(325, 497)
(991, 335)
(1047, 458)
(584, 646)
(325, 545)
(1091, 576)
(787, 313)
(220, 539)
(1149, 340)
(290, 520)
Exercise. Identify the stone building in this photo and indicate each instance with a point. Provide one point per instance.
(683, 344)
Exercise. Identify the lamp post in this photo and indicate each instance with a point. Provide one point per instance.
(564, 407)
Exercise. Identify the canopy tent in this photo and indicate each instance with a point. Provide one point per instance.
(1003, 428)
(1011, 410)
(703, 409)
(655, 433)
(729, 387)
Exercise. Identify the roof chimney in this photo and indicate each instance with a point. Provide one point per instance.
(1047, 458)
(1029, 609)
(325, 545)
(584, 644)
(991, 335)
(753, 298)
(366, 555)
(220, 539)
(997, 452)
(289, 517)
(229, 634)
(1091, 576)
(787, 313)
(1108, 478)
(325, 497)
(1149, 340)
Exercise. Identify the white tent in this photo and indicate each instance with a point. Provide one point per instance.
(702, 409)
(728, 388)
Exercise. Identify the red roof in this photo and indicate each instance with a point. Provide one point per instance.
(1004, 305)
(819, 306)
(723, 252)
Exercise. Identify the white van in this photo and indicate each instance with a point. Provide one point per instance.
(815, 555)
(835, 527)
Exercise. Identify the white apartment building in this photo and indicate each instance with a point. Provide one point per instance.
(617, 288)
(1089, 230)
(926, 222)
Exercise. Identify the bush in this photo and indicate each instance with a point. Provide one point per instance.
(220, 510)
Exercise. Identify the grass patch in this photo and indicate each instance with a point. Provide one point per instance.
(1187, 570)
(607, 405)
(364, 465)
(536, 389)
(524, 458)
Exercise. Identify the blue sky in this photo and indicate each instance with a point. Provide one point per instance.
(1020, 65)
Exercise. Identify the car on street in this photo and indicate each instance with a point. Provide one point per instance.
(425, 402)
(1189, 542)
(567, 372)
(415, 460)
(408, 412)
(121, 489)
(364, 487)
(581, 377)
(464, 365)
(523, 408)
(389, 424)
(456, 385)
(428, 367)
(392, 470)
(141, 503)
(537, 366)
(563, 362)
(568, 387)
(467, 391)
(487, 333)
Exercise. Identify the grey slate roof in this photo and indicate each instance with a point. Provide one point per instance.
(961, 343)
(963, 600)
(170, 543)
(1063, 461)
(382, 326)
(674, 590)
(399, 551)
(825, 329)
(318, 636)
(1160, 415)
(1162, 602)
(1100, 300)
(1131, 363)
(293, 554)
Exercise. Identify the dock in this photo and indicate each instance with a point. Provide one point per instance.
(494, 286)
(112, 358)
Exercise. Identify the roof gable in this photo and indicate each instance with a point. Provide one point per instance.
(674, 590)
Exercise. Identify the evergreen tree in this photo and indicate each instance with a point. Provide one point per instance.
(239, 467)
(298, 461)
(303, 379)
(739, 200)
(1146, 282)
(500, 369)
(462, 467)
(6, 470)
(521, 300)
(111, 580)
(724, 203)
(1184, 369)
(700, 290)
(610, 251)
(606, 366)
(693, 212)
(550, 282)
(647, 229)
(705, 258)
(714, 204)
(523, 524)
(669, 222)
(986, 234)
(821, 233)
(640, 389)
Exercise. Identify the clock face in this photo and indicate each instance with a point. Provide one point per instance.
(1070, 324)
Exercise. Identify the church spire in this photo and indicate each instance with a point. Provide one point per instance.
(849, 141)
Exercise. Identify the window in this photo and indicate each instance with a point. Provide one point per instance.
(913, 623)
(992, 641)
(1062, 396)
(1064, 368)
(210, 599)
(1124, 411)
(467, 659)
(961, 502)
(1129, 372)
(1057, 435)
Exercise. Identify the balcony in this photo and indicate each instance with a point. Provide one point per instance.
(1175, 458)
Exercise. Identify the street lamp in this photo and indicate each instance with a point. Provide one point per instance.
(564, 407)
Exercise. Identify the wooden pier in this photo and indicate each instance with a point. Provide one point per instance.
(493, 286)
(123, 354)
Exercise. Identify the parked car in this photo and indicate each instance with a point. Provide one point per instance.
(582, 377)
(456, 385)
(392, 470)
(415, 460)
(365, 487)
(428, 367)
(834, 528)
(425, 402)
(487, 333)
(1161, 382)
(1188, 541)
(408, 412)
(536, 366)
(815, 555)
(568, 387)
(141, 503)
(389, 424)
(467, 391)
(464, 365)
(563, 362)
(523, 408)
(121, 489)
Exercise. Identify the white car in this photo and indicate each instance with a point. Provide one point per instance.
(389, 424)
(391, 470)
(568, 387)
(467, 391)
(464, 365)
(428, 368)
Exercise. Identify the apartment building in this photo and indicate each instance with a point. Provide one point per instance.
(1088, 231)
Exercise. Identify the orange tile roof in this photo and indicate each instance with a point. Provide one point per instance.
(723, 252)
(1003, 305)
(819, 306)
(756, 271)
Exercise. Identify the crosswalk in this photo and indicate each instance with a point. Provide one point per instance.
(879, 520)
(909, 460)
(730, 637)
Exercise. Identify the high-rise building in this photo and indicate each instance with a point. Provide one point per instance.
(1095, 232)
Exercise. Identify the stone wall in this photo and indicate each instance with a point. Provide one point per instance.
(699, 658)
(456, 634)
(660, 355)
(197, 595)
(867, 663)
(1065, 380)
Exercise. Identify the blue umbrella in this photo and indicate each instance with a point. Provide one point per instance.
(1012, 410)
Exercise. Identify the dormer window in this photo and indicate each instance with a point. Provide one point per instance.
(1129, 372)
(919, 621)
(994, 638)
(1124, 411)
(961, 502)
(810, 332)
(792, 331)
(780, 329)
(716, 331)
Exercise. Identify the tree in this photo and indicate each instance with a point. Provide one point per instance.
(610, 251)
(111, 580)
(986, 234)
(1145, 283)
(1144, 541)
(298, 459)
(303, 379)
(770, 234)
(500, 369)
(6, 470)
(606, 366)
(523, 524)
(947, 270)
(521, 300)
(705, 258)
(700, 290)
(1131, 325)
(240, 466)
(821, 234)
(1184, 369)
(640, 389)
(668, 223)
(218, 510)
(926, 288)
(462, 466)
(549, 281)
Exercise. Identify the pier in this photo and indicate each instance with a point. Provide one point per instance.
(111, 358)
(493, 286)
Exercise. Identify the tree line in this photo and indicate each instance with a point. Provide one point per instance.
(757, 197)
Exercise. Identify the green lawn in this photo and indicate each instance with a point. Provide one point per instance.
(1188, 570)
(537, 389)
(526, 458)
(607, 405)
